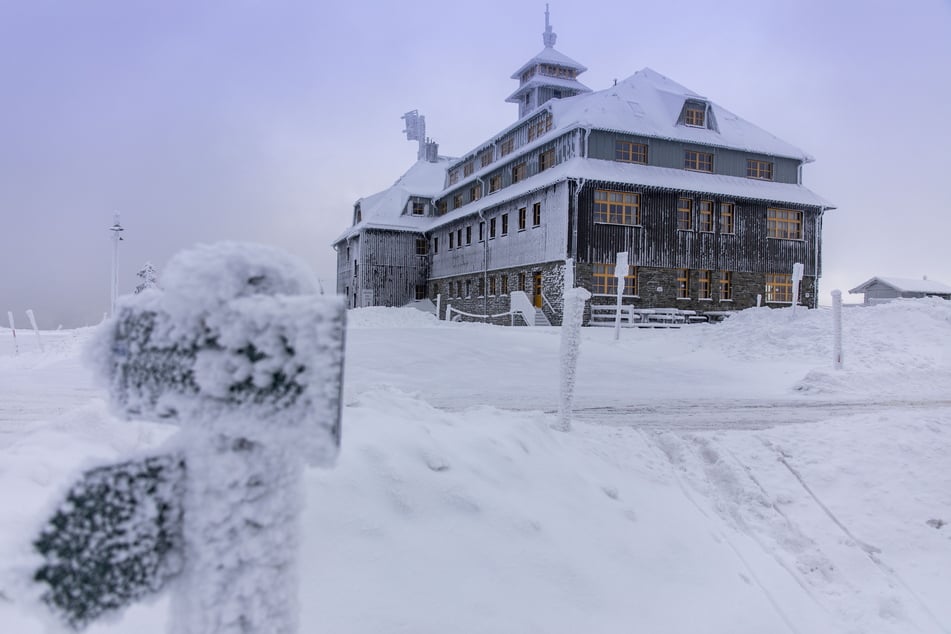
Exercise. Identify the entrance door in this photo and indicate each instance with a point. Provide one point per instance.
(537, 289)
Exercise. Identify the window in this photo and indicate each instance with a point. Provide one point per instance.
(481, 231)
(698, 161)
(422, 246)
(522, 218)
(469, 234)
(683, 283)
(459, 237)
(726, 286)
(485, 158)
(618, 208)
(704, 284)
(475, 193)
(784, 223)
(694, 115)
(491, 228)
(420, 291)
(545, 160)
(435, 246)
(441, 208)
(419, 209)
(727, 224)
(481, 287)
(507, 146)
(521, 282)
(495, 183)
(536, 215)
(539, 126)
(451, 237)
(518, 173)
(459, 289)
(705, 210)
(457, 201)
(492, 285)
(468, 288)
(505, 284)
(505, 224)
(605, 282)
(685, 214)
(759, 169)
(630, 152)
(357, 214)
(454, 176)
(435, 290)
(468, 167)
(779, 287)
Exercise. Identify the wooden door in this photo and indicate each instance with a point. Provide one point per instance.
(537, 289)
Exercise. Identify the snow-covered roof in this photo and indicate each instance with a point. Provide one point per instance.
(546, 80)
(903, 285)
(549, 55)
(649, 104)
(384, 210)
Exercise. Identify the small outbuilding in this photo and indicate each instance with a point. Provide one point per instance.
(885, 289)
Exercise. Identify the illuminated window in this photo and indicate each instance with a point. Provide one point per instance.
(685, 214)
(422, 246)
(507, 146)
(522, 218)
(521, 282)
(468, 167)
(419, 209)
(505, 224)
(784, 223)
(546, 159)
(441, 207)
(617, 208)
(495, 183)
(518, 172)
(536, 214)
(695, 115)
(779, 287)
(705, 211)
(475, 193)
(630, 152)
(704, 284)
(683, 283)
(698, 161)
(605, 282)
(759, 169)
(454, 176)
(485, 158)
(726, 285)
(457, 201)
(727, 224)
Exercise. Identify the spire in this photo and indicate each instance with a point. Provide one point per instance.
(549, 36)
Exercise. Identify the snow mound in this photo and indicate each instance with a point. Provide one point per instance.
(383, 317)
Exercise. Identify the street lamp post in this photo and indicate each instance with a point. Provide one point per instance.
(116, 230)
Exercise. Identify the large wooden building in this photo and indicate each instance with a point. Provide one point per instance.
(711, 208)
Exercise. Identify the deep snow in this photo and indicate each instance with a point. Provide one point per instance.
(718, 478)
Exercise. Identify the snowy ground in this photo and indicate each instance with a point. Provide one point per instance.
(718, 479)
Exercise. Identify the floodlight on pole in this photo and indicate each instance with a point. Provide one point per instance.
(116, 230)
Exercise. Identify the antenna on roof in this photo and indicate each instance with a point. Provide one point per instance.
(549, 36)
(416, 131)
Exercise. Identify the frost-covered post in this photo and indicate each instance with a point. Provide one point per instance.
(116, 230)
(572, 316)
(32, 318)
(13, 329)
(837, 329)
(798, 270)
(620, 271)
(241, 353)
(149, 278)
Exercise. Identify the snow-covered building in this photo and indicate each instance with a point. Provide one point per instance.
(710, 207)
(885, 289)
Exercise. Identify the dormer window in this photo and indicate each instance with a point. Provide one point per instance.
(419, 209)
(695, 115)
(357, 215)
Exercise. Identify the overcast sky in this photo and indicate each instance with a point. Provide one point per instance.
(265, 120)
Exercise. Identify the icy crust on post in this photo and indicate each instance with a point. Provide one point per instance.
(236, 339)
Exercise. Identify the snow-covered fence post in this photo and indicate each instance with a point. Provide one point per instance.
(438, 304)
(759, 300)
(242, 354)
(620, 271)
(572, 316)
(837, 329)
(798, 270)
(13, 328)
(32, 318)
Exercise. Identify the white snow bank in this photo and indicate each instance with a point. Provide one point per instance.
(383, 317)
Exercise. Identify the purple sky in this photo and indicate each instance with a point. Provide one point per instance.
(265, 120)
